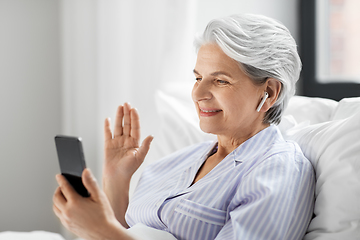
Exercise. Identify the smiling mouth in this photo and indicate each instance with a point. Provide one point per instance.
(209, 111)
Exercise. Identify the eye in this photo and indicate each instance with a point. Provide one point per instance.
(198, 79)
(223, 82)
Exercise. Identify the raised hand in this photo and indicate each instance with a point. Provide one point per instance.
(123, 156)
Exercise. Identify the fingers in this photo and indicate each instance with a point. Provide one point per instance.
(145, 146)
(65, 188)
(57, 211)
(90, 184)
(59, 200)
(127, 120)
(118, 128)
(135, 124)
(107, 130)
(127, 123)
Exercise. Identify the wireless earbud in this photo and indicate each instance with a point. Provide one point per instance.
(262, 102)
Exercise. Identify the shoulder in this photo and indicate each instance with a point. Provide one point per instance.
(277, 155)
(284, 149)
(280, 166)
(278, 181)
(288, 153)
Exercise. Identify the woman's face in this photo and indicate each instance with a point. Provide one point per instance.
(225, 98)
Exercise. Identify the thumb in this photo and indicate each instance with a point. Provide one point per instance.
(145, 146)
(90, 184)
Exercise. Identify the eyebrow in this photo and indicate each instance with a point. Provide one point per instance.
(217, 73)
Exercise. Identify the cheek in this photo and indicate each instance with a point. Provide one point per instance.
(250, 98)
(240, 104)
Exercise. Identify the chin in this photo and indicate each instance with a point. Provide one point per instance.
(207, 129)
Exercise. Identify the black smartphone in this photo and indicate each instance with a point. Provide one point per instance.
(72, 161)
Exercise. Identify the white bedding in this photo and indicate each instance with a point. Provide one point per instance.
(35, 235)
(139, 231)
(328, 133)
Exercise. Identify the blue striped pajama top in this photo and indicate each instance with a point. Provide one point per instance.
(264, 189)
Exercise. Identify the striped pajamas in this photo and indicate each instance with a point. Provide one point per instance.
(264, 189)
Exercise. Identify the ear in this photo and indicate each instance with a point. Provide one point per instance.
(272, 87)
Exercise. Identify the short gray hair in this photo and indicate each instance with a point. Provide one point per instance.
(263, 47)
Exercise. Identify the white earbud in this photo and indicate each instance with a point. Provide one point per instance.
(262, 102)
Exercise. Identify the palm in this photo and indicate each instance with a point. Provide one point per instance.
(123, 155)
(120, 147)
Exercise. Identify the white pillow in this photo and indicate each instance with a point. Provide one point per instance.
(310, 109)
(346, 107)
(334, 149)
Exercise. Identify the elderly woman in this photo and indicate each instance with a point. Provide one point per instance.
(249, 184)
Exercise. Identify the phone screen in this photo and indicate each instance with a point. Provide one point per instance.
(71, 161)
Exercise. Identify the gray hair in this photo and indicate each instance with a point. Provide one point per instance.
(263, 47)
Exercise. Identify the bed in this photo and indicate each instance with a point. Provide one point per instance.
(327, 131)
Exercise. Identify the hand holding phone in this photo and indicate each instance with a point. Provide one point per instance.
(72, 161)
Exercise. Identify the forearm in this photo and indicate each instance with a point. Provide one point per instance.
(116, 232)
(117, 191)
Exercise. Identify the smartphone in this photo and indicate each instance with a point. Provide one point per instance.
(72, 161)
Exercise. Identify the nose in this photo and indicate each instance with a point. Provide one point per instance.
(201, 91)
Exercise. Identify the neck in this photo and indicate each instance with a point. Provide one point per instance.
(227, 144)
